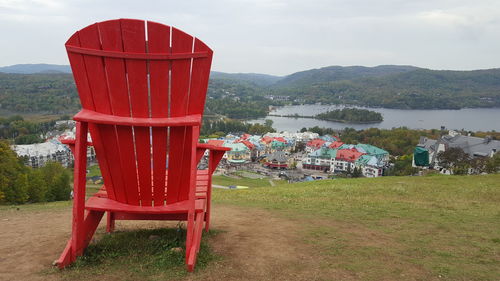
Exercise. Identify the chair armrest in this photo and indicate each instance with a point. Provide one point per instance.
(90, 116)
(213, 147)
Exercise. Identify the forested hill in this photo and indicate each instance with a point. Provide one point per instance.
(411, 89)
(35, 68)
(336, 73)
(390, 86)
(256, 78)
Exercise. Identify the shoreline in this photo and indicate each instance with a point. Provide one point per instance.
(331, 120)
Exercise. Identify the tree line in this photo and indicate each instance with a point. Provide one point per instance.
(20, 184)
(461, 163)
(352, 115)
(220, 128)
(23, 131)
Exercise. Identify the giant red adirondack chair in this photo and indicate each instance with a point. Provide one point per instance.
(142, 86)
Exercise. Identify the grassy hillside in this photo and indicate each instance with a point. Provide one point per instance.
(423, 228)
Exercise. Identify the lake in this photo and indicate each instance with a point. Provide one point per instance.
(471, 119)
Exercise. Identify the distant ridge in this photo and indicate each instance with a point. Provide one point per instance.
(337, 73)
(35, 68)
(257, 78)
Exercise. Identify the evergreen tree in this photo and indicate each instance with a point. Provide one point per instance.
(357, 172)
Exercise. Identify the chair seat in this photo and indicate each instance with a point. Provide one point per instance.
(105, 204)
(100, 201)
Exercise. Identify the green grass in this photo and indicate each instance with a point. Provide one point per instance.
(46, 206)
(440, 226)
(93, 171)
(227, 181)
(138, 255)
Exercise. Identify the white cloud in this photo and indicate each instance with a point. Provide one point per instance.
(277, 36)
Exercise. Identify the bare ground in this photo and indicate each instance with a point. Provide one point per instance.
(254, 245)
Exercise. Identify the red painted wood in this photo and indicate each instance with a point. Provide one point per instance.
(142, 101)
(199, 79)
(213, 147)
(92, 220)
(96, 74)
(111, 39)
(137, 56)
(215, 157)
(90, 116)
(79, 180)
(195, 246)
(199, 154)
(82, 82)
(134, 40)
(65, 257)
(106, 204)
(159, 42)
(179, 97)
(135, 216)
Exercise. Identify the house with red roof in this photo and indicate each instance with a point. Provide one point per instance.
(345, 160)
(314, 145)
(336, 144)
(248, 144)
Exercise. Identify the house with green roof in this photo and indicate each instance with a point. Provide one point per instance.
(373, 150)
(319, 159)
(371, 165)
(238, 154)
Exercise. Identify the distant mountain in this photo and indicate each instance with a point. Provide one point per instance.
(405, 88)
(36, 68)
(51, 88)
(337, 73)
(256, 78)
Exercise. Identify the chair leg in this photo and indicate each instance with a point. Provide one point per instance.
(75, 245)
(207, 215)
(192, 252)
(110, 226)
(189, 232)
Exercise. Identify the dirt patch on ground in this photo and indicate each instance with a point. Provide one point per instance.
(254, 245)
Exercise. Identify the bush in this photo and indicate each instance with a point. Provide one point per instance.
(20, 184)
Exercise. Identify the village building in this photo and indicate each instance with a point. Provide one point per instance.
(239, 153)
(277, 160)
(314, 144)
(345, 160)
(37, 154)
(337, 157)
(319, 159)
(427, 150)
(371, 166)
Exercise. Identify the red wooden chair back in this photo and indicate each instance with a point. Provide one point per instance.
(133, 68)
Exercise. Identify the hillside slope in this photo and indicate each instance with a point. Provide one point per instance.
(393, 228)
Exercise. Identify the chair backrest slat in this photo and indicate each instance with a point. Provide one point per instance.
(134, 40)
(159, 42)
(111, 40)
(133, 160)
(94, 71)
(179, 154)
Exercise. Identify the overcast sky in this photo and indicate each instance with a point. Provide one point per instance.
(277, 36)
